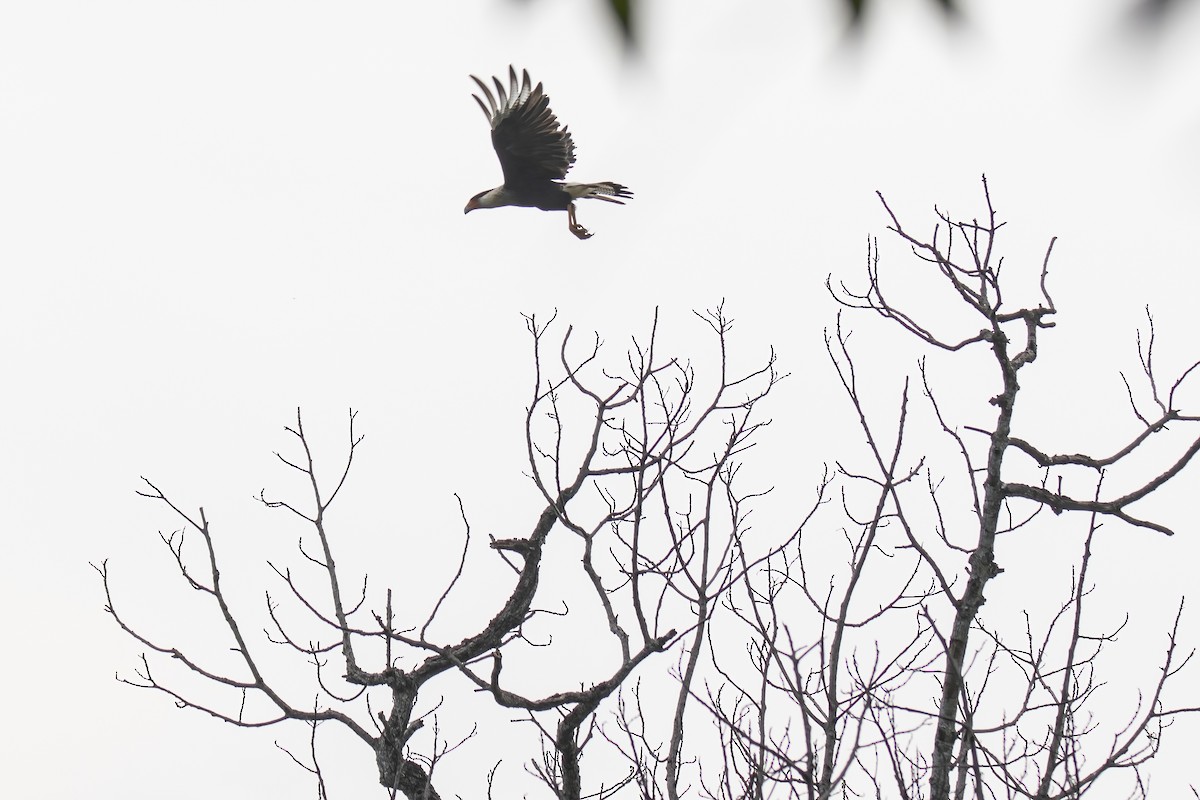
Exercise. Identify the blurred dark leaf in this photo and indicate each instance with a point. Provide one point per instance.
(1153, 13)
(623, 11)
(857, 9)
(622, 15)
(1146, 12)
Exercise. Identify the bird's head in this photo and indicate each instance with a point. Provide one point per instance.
(492, 198)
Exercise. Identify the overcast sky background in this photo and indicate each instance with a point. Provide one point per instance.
(212, 213)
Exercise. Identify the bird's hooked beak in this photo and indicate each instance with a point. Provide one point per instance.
(472, 204)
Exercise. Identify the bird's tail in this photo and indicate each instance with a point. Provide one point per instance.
(607, 191)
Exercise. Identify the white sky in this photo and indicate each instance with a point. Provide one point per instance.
(211, 213)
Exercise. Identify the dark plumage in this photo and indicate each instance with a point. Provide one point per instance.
(535, 154)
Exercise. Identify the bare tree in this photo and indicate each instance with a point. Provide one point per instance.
(635, 461)
(836, 693)
(844, 652)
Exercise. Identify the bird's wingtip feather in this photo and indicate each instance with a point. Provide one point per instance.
(487, 93)
(501, 93)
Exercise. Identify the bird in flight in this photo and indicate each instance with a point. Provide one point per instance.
(535, 154)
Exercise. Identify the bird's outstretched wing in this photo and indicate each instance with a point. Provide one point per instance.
(526, 134)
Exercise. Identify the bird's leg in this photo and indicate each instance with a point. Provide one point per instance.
(575, 227)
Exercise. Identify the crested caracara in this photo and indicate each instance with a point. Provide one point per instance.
(535, 154)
